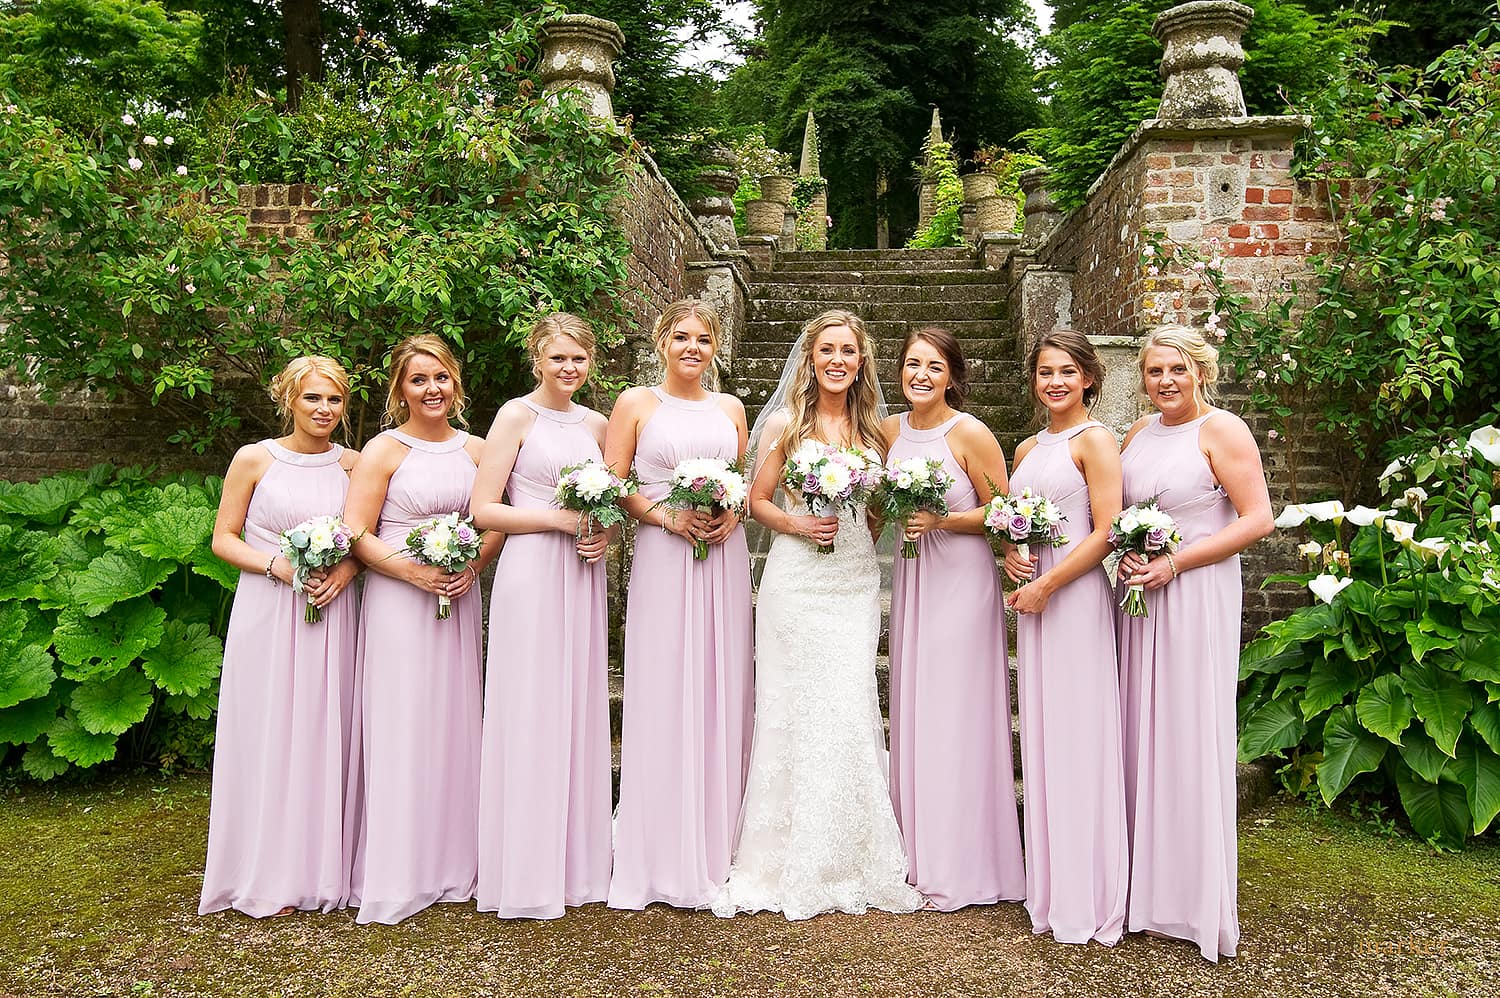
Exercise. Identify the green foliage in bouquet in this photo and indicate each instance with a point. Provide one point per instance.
(112, 615)
(1391, 680)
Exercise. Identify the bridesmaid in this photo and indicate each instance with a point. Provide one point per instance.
(276, 820)
(544, 777)
(688, 666)
(1180, 664)
(953, 782)
(417, 686)
(1069, 690)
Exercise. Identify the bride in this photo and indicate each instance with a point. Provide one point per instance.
(817, 832)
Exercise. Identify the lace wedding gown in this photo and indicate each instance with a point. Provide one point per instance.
(817, 831)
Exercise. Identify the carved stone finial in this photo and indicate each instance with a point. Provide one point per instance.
(578, 53)
(1202, 59)
(714, 207)
(1042, 212)
(811, 167)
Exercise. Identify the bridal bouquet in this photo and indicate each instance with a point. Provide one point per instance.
(449, 542)
(912, 484)
(317, 542)
(709, 485)
(593, 489)
(1025, 519)
(831, 479)
(1146, 530)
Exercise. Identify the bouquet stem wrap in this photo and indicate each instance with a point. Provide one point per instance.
(1147, 531)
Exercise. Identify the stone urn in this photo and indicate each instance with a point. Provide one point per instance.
(764, 217)
(1202, 59)
(578, 53)
(996, 213)
(777, 187)
(982, 184)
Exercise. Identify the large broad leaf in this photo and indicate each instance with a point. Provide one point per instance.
(26, 672)
(40, 763)
(1308, 624)
(29, 720)
(1479, 657)
(115, 577)
(1422, 643)
(1485, 720)
(28, 558)
(1276, 726)
(1361, 598)
(1422, 754)
(1439, 812)
(1440, 699)
(187, 659)
(75, 743)
(173, 534)
(76, 548)
(1348, 750)
(1478, 769)
(1331, 680)
(110, 706)
(211, 566)
(92, 647)
(200, 706)
(1384, 708)
(1261, 656)
(45, 502)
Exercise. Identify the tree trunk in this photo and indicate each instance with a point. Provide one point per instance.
(303, 22)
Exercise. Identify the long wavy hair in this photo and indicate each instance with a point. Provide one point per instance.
(438, 349)
(1075, 345)
(862, 400)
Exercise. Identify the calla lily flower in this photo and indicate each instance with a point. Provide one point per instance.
(1326, 587)
(1430, 547)
(1310, 550)
(1396, 467)
(1292, 516)
(1485, 441)
(1295, 514)
(1402, 531)
(1363, 516)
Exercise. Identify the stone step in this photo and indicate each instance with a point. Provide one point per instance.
(871, 278)
(884, 331)
(864, 266)
(922, 313)
(986, 353)
(950, 253)
(856, 297)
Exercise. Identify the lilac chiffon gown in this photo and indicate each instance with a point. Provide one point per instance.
(1178, 670)
(414, 795)
(688, 684)
(544, 835)
(1069, 697)
(276, 820)
(953, 782)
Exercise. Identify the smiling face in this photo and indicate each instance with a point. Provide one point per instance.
(924, 375)
(836, 360)
(317, 407)
(1059, 381)
(1171, 382)
(563, 364)
(689, 349)
(427, 388)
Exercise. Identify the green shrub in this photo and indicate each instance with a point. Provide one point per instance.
(945, 227)
(112, 616)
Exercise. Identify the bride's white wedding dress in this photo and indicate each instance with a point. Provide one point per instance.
(817, 831)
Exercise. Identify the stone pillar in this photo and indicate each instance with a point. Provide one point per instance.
(816, 213)
(927, 196)
(715, 209)
(578, 53)
(1202, 59)
(1042, 213)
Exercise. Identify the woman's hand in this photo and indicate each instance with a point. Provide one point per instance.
(1020, 569)
(1030, 598)
(818, 529)
(721, 526)
(920, 522)
(1152, 574)
(593, 540)
(325, 584)
(433, 579)
(689, 524)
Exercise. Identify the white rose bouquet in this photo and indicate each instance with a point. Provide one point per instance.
(708, 485)
(317, 542)
(1024, 519)
(1146, 530)
(909, 485)
(831, 479)
(593, 489)
(448, 542)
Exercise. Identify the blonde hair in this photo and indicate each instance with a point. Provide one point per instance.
(1194, 348)
(552, 325)
(862, 400)
(675, 313)
(287, 384)
(438, 349)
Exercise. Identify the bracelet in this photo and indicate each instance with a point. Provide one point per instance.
(269, 574)
(1171, 563)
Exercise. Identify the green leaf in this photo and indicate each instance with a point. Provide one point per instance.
(1362, 598)
(186, 661)
(47, 501)
(26, 672)
(115, 577)
(1348, 750)
(1421, 753)
(1422, 642)
(1439, 812)
(1261, 656)
(75, 743)
(211, 566)
(40, 763)
(99, 646)
(1276, 726)
(28, 558)
(173, 534)
(1384, 708)
(110, 706)
(1331, 680)
(1440, 699)
(27, 720)
(1307, 624)
(1478, 769)
(1479, 657)
(1485, 720)
(200, 706)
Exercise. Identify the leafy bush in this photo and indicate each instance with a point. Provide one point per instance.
(112, 615)
(939, 166)
(1393, 677)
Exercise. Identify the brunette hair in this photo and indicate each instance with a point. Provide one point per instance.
(945, 343)
(862, 400)
(1194, 349)
(1075, 345)
(555, 324)
(287, 383)
(438, 349)
(675, 313)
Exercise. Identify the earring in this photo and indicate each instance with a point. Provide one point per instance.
(402, 403)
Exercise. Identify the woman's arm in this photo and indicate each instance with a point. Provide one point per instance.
(497, 459)
(245, 470)
(367, 489)
(633, 409)
(769, 464)
(723, 524)
(490, 543)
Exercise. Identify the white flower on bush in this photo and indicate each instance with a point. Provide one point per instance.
(1310, 549)
(1430, 547)
(1397, 466)
(1363, 516)
(182, 171)
(1411, 499)
(1401, 531)
(127, 121)
(1485, 442)
(134, 163)
(1326, 587)
(149, 140)
(167, 140)
(1298, 513)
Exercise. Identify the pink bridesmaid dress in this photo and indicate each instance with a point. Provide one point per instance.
(689, 693)
(1178, 671)
(276, 821)
(414, 796)
(544, 778)
(953, 783)
(1069, 696)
